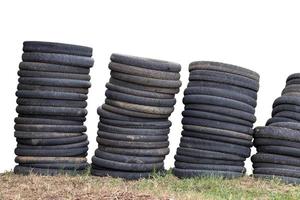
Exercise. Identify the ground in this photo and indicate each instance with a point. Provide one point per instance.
(65, 187)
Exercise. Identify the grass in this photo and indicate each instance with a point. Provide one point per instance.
(169, 187)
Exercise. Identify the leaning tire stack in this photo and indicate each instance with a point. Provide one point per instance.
(52, 93)
(278, 143)
(220, 102)
(134, 126)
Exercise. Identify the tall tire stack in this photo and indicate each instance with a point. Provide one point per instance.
(51, 97)
(134, 126)
(278, 143)
(220, 102)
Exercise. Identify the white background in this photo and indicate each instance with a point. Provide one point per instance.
(260, 35)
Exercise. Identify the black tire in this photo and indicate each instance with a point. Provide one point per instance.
(53, 141)
(26, 120)
(164, 90)
(49, 160)
(279, 119)
(198, 153)
(53, 147)
(56, 117)
(131, 113)
(294, 100)
(46, 67)
(43, 135)
(244, 91)
(276, 159)
(217, 138)
(152, 82)
(53, 89)
(61, 111)
(132, 144)
(281, 150)
(36, 94)
(133, 138)
(290, 125)
(53, 47)
(289, 114)
(218, 101)
(230, 80)
(54, 75)
(191, 173)
(135, 167)
(217, 125)
(63, 166)
(51, 103)
(211, 91)
(275, 142)
(50, 128)
(222, 110)
(191, 159)
(45, 172)
(136, 152)
(132, 131)
(118, 96)
(153, 110)
(137, 125)
(277, 133)
(120, 174)
(139, 71)
(223, 67)
(140, 93)
(146, 63)
(214, 116)
(60, 59)
(277, 172)
(112, 115)
(183, 165)
(196, 143)
(128, 159)
(52, 153)
(218, 132)
(272, 165)
(55, 82)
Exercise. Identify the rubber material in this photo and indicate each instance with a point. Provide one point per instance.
(222, 110)
(147, 63)
(138, 71)
(223, 67)
(53, 89)
(61, 59)
(135, 152)
(53, 75)
(128, 159)
(27, 102)
(36, 94)
(132, 144)
(218, 101)
(44, 121)
(46, 67)
(140, 93)
(220, 93)
(217, 125)
(35, 160)
(139, 100)
(54, 47)
(164, 90)
(191, 159)
(137, 125)
(51, 153)
(43, 135)
(40, 110)
(50, 128)
(55, 82)
(133, 138)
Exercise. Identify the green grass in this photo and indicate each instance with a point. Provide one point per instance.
(166, 187)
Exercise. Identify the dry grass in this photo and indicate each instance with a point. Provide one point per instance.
(169, 187)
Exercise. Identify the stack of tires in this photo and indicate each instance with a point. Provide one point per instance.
(220, 102)
(278, 143)
(51, 97)
(134, 126)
